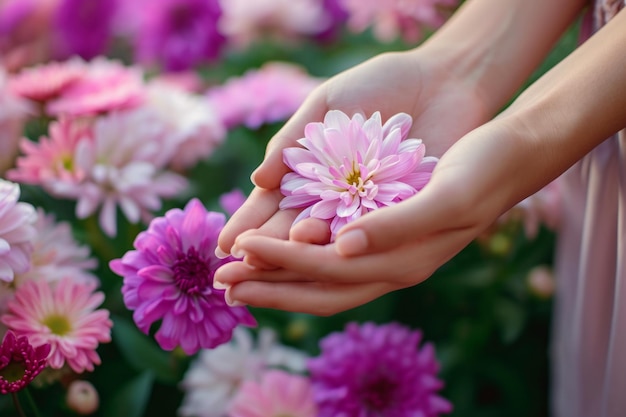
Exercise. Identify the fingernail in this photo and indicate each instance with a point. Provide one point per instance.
(220, 253)
(219, 285)
(252, 177)
(231, 302)
(237, 253)
(353, 242)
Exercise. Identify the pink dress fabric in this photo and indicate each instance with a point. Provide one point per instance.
(589, 325)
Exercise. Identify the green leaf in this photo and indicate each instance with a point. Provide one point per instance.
(132, 398)
(511, 317)
(143, 354)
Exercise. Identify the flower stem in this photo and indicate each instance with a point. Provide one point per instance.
(18, 406)
(31, 403)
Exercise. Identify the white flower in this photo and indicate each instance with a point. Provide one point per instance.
(192, 123)
(214, 377)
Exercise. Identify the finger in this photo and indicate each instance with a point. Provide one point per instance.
(269, 174)
(311, 230)
(306, 297)
(235, 272)
(259, 207)
(408, 264)
(435, 209)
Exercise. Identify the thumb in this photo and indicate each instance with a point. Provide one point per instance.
(269, 174)
(436, 208)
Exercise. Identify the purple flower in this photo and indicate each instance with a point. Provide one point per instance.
(169, 277)
(179, 34)
(83, 27)
(371, 371)
(20, 363)
(349, 167)
(336, 16)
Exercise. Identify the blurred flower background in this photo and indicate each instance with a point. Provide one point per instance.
(128, 131)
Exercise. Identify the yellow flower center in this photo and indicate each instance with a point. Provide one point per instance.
(58, 324)
(354, 178)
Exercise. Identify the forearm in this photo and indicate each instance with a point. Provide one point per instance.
(495, 45)
(554, 123)
(580, 102)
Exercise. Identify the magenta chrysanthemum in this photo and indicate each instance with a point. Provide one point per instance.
(169, 277)
(16, 231)
(63, 315)
(370, 370)
(349, 167)
(20, 363)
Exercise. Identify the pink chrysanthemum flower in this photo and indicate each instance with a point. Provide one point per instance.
(278, 90)
(13, 113)
(371, 370)
(277, 394)
(192, 123)
(63, 315)
(16, 231)
(106, 86)
(50, 162)
(47, 81)
(56, 254)
(20, 363)
(349, 167)
(244, 22)
(124, 165)
(390, 18)
(544, 208)
(169, 277)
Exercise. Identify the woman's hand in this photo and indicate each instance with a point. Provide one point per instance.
(393, 247)
(443, 106)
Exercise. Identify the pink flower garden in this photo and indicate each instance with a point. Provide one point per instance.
(128, 131)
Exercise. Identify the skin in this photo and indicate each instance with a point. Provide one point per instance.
(461, 77)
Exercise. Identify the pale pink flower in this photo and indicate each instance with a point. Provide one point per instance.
(349, 167)
(390, 18)
(276, 394)
(106, 86)
(245, 21)
(124, 165)
(542, 208)
(82, 398)
(216, 375)
(269, 94)
(192, 123)
(16, 231)
(13, 114)
(56, 254)
(541, 282)
(51, 161)
(189, 81)
(66, 317)
(47, 81)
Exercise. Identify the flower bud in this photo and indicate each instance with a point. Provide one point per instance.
(82, 397)
(541, 282)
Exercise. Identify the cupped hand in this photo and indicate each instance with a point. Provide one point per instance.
(443, 107)
(393, 247)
